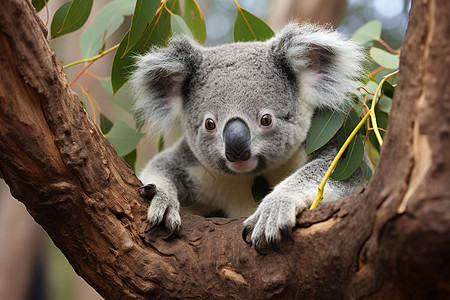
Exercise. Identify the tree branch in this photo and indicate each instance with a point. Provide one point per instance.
(391, 240)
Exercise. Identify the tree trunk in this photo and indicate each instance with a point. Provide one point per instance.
(390, 241)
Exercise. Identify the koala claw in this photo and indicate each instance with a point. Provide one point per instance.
(149, 227)
(286, 231)
(245, 232)
(171, 233)
(162, 208)
(274, 219)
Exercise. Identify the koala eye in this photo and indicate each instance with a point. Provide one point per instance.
(266, 120)
(210, 125)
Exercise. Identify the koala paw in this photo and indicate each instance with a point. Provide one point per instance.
(163, 207)
(274, 218)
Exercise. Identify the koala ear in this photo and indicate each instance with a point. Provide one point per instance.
(160, 81)
(325, 65)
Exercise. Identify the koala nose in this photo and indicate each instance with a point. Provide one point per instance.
(237, 140)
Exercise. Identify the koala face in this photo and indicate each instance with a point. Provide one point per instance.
(242, 114)
(246, 107)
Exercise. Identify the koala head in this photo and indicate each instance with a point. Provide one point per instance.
(246, 107)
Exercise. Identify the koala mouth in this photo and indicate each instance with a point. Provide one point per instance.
(243, 166)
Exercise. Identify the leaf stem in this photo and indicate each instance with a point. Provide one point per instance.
(92, 58)
(376, 71)
(245, 19)
(379, 40)
(372, 108)
(370, 113)
(319, 196)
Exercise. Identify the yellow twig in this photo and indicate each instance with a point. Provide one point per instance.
(370, 113)
(92, 58)
(372, 108)
(336, 159)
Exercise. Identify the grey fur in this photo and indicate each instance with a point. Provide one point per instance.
(302, 68)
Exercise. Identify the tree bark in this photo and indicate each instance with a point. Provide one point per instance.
(390, 241)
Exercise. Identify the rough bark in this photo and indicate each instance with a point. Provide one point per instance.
(390, 241)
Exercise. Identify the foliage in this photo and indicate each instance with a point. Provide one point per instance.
(154, 22)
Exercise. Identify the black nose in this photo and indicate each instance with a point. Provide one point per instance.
(237, 140)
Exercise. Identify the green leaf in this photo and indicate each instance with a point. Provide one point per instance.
(249, 27)
(369, 32)
(178, 26)
(388, 89)
(354, 153)
(384, 58)
(105, 124)
(325, 124)
(384, 104)
(366, 170)
(130, 158)
(121, 98)
(70, 17)
(123, 137)
(39, 4)
(106, 22)
(121, 66)
(174, 6)
(372, 86)
(156, 34)
(260, 189)
(195, 21)
(144, 12)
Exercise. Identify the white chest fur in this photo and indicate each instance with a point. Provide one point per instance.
(229, 193)
(233, 194)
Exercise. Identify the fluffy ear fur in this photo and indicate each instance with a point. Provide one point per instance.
(325, 64)
(159, 82)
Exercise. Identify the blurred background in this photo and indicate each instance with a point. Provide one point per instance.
(31, 267)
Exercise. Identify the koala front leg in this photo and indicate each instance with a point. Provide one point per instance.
(164, 204)
(166, 178)
(276, 215)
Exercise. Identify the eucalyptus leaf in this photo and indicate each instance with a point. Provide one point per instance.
(388, 89)
(179, 27)
(105, 124)
(354, 153)
(366, 170)
(369, 32)
(121, 98)
(70, 17)
(384, 104)
(195, 21)
(372, 86)
(39, 4)
(106, 22)
(156, 34)
(130, 158)
(249, 27)
(121, 66)
(325, 124)
(384, 58)
(174, 6)
(123, 137)
(144, 11)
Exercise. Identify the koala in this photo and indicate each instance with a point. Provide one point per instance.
(245, 109)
